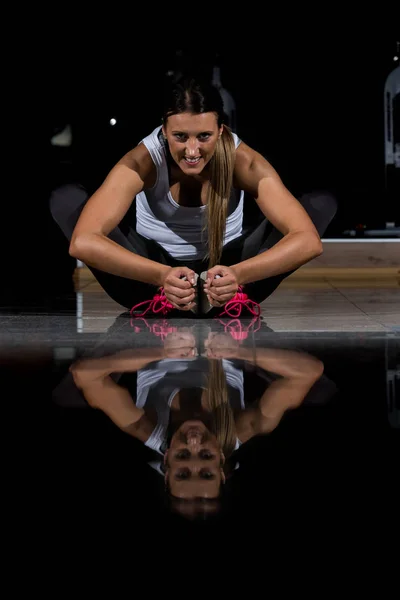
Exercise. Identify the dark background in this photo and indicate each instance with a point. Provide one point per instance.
(311, 102)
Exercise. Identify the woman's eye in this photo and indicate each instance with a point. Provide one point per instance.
(206, 455)
(182, 454)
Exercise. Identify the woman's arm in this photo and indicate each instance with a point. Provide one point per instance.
(125, 361)
(301, 241)
(104, 211)
(298, 372)
(92, 377)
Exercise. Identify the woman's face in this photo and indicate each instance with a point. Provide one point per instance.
(192, 139)
(194, 462)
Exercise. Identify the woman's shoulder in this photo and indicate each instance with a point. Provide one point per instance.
(140, 160)
(154, 138)
(250, 167)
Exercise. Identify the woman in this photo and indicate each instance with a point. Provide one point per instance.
(171, 210)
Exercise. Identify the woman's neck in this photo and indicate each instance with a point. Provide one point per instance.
(176, 175)
(190, 405)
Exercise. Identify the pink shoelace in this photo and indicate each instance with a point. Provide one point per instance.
(233, 308)
(158, 304)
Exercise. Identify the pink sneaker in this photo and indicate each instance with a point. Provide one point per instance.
(160, 304)
(157, 305)
(233, 308)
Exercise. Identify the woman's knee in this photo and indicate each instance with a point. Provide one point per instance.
(321, 201)
(65, 199)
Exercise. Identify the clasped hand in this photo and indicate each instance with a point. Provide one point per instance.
(179, 288)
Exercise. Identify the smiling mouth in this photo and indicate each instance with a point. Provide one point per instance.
(194, 431)
(194, 424)
(192, 161)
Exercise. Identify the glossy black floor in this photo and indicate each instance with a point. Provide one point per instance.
(314, 418)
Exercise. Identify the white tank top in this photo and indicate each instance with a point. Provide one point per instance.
(178, 229)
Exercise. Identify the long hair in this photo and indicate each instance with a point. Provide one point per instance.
(197, 97)
(223, 421)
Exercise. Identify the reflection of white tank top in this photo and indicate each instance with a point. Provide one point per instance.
(178, 229)
(158, 383)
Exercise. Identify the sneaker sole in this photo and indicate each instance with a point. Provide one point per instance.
(204, 303)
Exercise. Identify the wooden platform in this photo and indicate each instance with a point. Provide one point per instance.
(357, 255)
(347, 262)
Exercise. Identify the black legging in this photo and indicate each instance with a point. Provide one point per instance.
(66, 204)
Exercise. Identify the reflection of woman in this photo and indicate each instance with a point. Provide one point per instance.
(191, 410)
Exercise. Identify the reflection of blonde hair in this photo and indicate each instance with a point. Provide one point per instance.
(223, 421)
(221, 177)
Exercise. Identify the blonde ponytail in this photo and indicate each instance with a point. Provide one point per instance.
(222, 166)
(223, 421)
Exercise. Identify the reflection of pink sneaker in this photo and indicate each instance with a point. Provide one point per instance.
(161, 328)
(233, 308)
(238, 330)
(157, 305)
